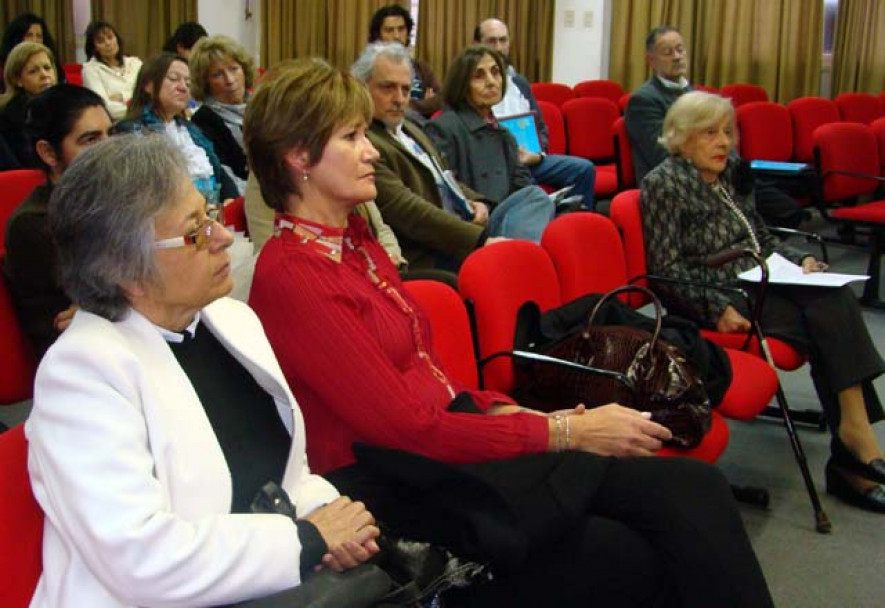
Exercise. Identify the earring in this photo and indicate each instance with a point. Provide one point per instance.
(305, 176)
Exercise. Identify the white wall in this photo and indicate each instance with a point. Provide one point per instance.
(228, 17)
(581, 38)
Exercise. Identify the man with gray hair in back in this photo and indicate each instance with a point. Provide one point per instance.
(410, 175)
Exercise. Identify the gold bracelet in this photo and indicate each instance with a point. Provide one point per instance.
(568, 434)
(557, 445)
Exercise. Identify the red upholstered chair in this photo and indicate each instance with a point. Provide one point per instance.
(623, 155)
(878, 127)
(450, 328)
(625, 213)
(605, 89)
(858, 107)
(235, 215)
(741, 93)
(807, 114)
(73, 73)
(588, 254)
(498, 280)
(15, 186)
(705, 88)
(588, 122)
(21, 523)
(623, 101)
(766, 132)
(556, 137)
(17, 361)
(847, 160)
(553, 92)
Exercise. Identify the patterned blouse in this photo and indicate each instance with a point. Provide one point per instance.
(685, 220)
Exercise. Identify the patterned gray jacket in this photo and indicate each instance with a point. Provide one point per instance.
(684, 221)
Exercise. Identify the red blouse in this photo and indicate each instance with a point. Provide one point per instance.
(360, 360)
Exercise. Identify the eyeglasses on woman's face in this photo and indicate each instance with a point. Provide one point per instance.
(201, 237)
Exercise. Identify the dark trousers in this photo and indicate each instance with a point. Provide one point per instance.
(826, 324)
(600, 531)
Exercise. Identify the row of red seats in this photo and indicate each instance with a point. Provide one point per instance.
(592, 128)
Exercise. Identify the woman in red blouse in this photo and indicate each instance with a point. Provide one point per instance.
(460, 466)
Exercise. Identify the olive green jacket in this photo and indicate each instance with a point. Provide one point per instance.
(410, 201)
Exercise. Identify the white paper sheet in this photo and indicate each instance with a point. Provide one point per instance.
(782, 270)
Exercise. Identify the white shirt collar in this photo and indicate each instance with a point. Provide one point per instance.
(669, 84)
(178, 337)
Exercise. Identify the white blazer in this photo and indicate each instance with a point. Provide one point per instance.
(135, 487)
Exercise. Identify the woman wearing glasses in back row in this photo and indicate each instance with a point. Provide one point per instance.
(161, 411)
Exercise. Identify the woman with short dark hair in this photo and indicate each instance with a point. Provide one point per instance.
(108, 71)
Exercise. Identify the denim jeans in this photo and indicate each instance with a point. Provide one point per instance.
(560, 171)
(522, 215)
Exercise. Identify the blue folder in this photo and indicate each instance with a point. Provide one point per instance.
(524, 129)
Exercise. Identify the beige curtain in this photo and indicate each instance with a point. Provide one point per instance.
(59, 18)
(335, 29)
(859, 47)
(774, 43)
(445, 27)
(144, 25)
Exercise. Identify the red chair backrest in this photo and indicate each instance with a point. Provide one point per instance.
(73, 73)
(858, 107)
(705, 88)
(846, 146)
(556, 138)
(766, 131)
(623, 155)
(587, 253)
(878, 128)
(235, 215)
(741, 93)
(21, 523)
(623, 101)
(626, 215)
(499, 279)
(588, 122)
(452, 339)
(15, 186)
(17, 361)
(553, 92)
(606, 89)
(807, 114)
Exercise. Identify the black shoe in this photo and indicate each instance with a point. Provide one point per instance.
(842, 456)
(871, 500)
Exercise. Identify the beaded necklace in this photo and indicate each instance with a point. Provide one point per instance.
(722, 191)
(330, 246)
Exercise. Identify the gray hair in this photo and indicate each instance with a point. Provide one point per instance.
(364, 66)
(693, 112)
(101, 216)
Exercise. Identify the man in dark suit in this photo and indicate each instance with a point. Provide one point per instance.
(556, 170)
(667, 56)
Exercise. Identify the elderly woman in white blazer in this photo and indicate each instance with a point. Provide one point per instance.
(142, 464)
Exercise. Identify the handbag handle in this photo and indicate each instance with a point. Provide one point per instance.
(650, 294)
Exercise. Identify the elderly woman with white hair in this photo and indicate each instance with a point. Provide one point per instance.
(698, 203)
(161, 414)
